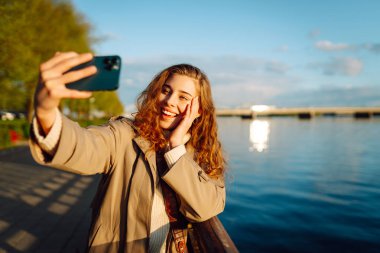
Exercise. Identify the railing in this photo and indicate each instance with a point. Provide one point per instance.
(210, 236)
(303, 112)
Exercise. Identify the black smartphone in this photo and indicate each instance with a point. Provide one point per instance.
(106, 78)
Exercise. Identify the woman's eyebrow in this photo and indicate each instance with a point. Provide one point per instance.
(181, 91)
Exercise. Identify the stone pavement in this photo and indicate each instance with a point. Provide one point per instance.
(42, 210)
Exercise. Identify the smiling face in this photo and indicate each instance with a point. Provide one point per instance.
(176, 94)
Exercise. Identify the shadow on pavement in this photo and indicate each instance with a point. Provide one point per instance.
(42, 209)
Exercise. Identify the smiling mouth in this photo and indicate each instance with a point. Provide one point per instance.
(168, 114)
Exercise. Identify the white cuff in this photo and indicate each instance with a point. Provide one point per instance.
(174, 154)
(50, 141)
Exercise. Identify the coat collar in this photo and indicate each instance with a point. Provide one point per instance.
(149, 154)
(144, 145)
(141, 142)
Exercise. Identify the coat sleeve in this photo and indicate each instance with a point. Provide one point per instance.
(80, 150)
(200, 196)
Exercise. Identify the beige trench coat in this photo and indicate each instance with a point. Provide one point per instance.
(123, 202)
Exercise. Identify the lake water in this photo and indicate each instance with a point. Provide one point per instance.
(303, 185)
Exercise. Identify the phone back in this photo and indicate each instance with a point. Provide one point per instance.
(106, 78)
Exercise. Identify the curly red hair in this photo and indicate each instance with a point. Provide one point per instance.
(204, 132)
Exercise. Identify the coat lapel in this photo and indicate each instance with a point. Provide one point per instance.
(149, 154)
(144, 145)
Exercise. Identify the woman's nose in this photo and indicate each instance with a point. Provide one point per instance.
(170, 100)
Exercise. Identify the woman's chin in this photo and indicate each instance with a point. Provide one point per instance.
(168, 125)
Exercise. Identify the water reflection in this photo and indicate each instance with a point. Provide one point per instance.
(314, 187)
(258, 135)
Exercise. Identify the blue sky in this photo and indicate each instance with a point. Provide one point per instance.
(282, 53)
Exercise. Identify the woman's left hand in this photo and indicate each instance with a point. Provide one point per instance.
(188, 116)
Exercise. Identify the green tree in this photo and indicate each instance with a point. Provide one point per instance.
(108, 103)
(31, 31)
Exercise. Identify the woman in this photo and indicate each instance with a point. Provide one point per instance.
(161, 170)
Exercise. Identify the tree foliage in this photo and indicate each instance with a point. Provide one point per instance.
(108, 103)
(31, 31)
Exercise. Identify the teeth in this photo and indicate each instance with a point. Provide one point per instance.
(169, 113)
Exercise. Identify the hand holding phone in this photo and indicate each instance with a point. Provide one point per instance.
(53, 78)
(106, 78)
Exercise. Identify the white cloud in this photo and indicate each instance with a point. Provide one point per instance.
(238, 81)
(326, 45)
(340, 66)
(331, 96)
(352, 66)
(255, 91)
(235, 80)
(329, 46)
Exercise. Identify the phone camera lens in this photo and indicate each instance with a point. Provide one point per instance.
(107, 61)
(111, 63)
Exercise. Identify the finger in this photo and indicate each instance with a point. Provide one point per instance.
(56, 59)
(79, 94)
(194, 107)
(76, 75)
(191, 105)
(186, 113)
(57, 85)
(64, 64)
(67, 64)
(50, 74)
(67, 93)
(199, 109)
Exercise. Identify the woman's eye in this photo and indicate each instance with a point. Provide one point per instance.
(184, 98)
(165, 91)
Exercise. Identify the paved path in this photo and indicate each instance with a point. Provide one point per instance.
(42, 209)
